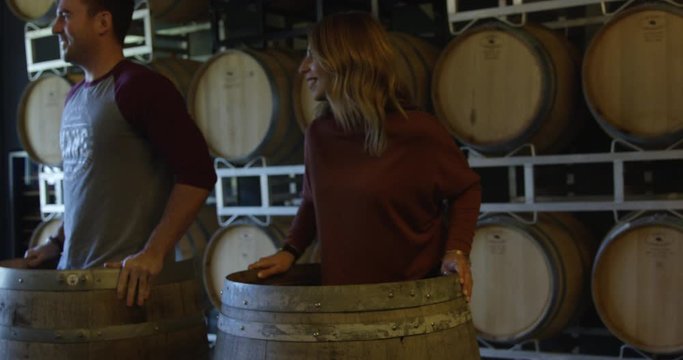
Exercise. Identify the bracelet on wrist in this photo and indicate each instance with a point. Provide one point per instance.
(460, 253)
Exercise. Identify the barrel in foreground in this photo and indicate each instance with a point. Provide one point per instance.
(290, 317)
(75, 314)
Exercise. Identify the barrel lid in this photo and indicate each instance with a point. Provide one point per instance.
(514, 283)
(636, 282)
(232, 249)
(233, 100)
(490, 86)
(632, 75)
(40, 118)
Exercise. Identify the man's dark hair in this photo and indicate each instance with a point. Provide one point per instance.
(121, 14)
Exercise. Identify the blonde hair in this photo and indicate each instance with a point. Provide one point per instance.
(354, 50)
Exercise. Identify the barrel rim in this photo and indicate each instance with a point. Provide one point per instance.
(653, 142)
(333, 298)
(642, 221)
(427, 321)
(548, 86)
(80, 280)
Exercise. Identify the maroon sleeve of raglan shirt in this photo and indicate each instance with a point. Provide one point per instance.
(152, 104)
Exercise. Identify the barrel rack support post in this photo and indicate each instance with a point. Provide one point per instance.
(145, 51)
(12, 157)
(219, 164)
(50, 181)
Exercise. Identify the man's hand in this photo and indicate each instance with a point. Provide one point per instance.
(137, 272)
(274, 264)
(455, 261)
(37, 255)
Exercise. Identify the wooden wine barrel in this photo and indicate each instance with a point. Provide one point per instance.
(179, 71)
(40, 12)
(415, 59)
(289, 317)
(40, 118)
(530, 280)
(75, 314)
(178, 11)
(241, 101)
(632, 75)
(498, 88)
(638, 283)
(233, 248)
(193, 243)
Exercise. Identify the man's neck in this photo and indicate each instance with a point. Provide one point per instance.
(102, 64)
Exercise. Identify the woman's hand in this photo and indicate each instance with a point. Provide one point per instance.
(455, 261)
(274, 264)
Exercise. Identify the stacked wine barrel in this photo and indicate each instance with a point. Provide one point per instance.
(42, 12)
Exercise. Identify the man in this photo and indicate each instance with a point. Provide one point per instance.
(136, 168)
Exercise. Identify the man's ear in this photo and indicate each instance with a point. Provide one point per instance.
(104, 23)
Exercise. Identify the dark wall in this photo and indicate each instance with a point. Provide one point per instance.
(13, 79)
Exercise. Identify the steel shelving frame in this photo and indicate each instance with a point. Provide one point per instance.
(50, 179)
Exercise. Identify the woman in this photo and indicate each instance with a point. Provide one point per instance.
(380, 174)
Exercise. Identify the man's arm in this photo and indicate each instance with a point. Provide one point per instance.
(154, 107)
(138, 270)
